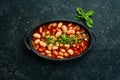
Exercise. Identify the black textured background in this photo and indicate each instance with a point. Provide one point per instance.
(18, 17)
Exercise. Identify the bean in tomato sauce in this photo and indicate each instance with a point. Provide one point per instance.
(60, 40)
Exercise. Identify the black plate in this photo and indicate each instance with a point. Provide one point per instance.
(90, 33)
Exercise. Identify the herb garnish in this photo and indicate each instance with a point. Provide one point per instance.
(81, 15)
(64, 39)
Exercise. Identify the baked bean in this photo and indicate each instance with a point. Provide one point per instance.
(47, 51)
(54, 24)
(66, 54)
(82, 44)
(84, 35)
(77, 46)
(67, 46)
(57, 44)
(60, 57)
(49, 25)
(86, 39)
(43, 53)
(70, 32)
(55, 47)
(78, 32)
(58, 34)
(37, 47)
(70, 24)
(55, 53)
(59, 30)
(41, 49)
(60, 24)
(47, 36)
(50, 46)
(47, 32)
(49, 55)
(70, 51)
(70, 28)
(61, 45)
(64, 28)
(43, 34)
(37, 41)
(62, 50)
(74, 45)
(43, 44)
(60, 54)
(40, 29)
(36, 35)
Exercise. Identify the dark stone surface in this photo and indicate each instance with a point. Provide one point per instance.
(18, 17)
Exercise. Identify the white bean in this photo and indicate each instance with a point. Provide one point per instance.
(55, 47)
(60, 57)
(86, 39)
(54, 24)
(62, 50)
(37, 41)
(70, 24)
(49, 55)
(60, 54)
(49, 25)
(41, 49)
(43, 53)
(36, 35)
(78, 32)
(55, 53)
(61, 45)
(50, 46)
(70, 28)
(47, 51)
(60, 24)
(70, 32)
(82, 44)
(58, 34)
(43, 34)
(77, 46)
(57, 44)
(47, 32)
(70, 51)
(43, 44)
(84, 35)
(66, 54)
(64, 28)
(40, 30)
(67, 46)
(74, 45)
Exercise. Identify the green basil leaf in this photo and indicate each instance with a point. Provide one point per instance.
(90, 13)
(79, 18)
(81, 15)
(89, 22)
(79, 11)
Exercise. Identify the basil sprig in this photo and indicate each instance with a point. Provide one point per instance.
(81, 15)
(64, 39)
